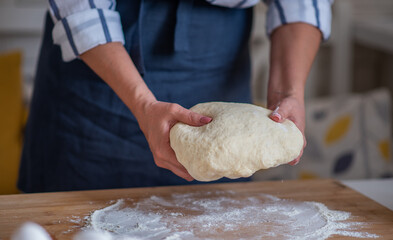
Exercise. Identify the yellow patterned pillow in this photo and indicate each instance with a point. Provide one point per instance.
(11, 120)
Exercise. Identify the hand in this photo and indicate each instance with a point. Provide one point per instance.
(293, 49)
(114, 65)
(156, 121)
(291, 108)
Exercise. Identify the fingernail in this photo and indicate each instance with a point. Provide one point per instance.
(276, 116)
(205, 119)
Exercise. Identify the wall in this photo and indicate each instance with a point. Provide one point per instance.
(21, 23)
(344, 61)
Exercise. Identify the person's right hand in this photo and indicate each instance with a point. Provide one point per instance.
(113, 64)
(156, 121)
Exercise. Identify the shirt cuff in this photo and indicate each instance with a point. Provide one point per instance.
(82, 31)
(234, 3)
(315, 12)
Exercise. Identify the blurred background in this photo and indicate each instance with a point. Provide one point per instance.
(348, 93)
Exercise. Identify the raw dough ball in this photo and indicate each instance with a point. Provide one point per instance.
(31, 231)
(240, 140)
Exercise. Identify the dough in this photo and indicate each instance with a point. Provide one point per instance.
(240, 140)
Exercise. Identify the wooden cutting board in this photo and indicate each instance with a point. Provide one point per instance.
(55, 210)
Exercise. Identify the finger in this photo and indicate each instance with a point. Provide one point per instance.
(180, 171)
(296, 160)
(275, 116)
(169, 161)
(191, 118)
(175, 169)
(281, 112)
(172, 160)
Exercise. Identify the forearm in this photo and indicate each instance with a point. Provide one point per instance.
(113, 64)
(293, 49)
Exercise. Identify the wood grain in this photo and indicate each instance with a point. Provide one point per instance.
(55, 210)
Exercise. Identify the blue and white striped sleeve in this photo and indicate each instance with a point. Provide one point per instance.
(234, 3)
(314, 12)
(81, 25)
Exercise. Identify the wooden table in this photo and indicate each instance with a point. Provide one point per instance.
(54, 210)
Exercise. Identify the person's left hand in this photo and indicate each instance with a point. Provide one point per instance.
(292, 108)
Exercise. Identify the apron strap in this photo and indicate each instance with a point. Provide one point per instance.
(181, 43)
(183, 16)
(136, 46)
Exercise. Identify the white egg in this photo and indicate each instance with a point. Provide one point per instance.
(31, 231)
(92, 235)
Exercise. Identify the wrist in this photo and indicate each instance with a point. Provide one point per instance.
(140, 99)
(274, 96)
(284, 83)
(280, 94)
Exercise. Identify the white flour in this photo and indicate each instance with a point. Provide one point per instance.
(213, 215)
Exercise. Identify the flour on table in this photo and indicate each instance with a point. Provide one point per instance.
(222, 214)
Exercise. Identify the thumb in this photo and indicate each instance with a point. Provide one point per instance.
(192, 118)
(280, 113)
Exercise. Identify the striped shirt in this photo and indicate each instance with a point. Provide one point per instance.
(81, 25)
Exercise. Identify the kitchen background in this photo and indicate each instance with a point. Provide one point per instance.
(348, 93)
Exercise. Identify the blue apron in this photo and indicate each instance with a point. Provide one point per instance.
(80, 135)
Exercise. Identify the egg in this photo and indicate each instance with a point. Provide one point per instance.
(31, 231)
